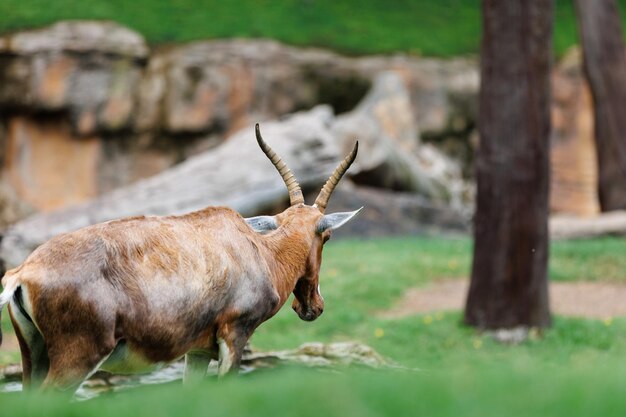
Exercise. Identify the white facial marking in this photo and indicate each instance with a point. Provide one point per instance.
(318, 291)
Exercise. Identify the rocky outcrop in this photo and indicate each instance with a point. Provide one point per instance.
(216, 84)
(238, 175)
(235, 174)
(392, 156)
(105, 75)
(338, 355)
(87, 108)
(574, 170)
(12, 209)
(88, 69)
(389, 213)
(68, 100)
(566, 226)
(126, 112)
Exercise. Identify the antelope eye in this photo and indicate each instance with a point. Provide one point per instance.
(326, 237)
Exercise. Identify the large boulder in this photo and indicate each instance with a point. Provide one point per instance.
(88, 108)
(391, 213)
(567, 226)
(220, 84)
(224, 85)
(236, 174)
(12, 209)
(88, 69)
(574, 166)
(120, 112)
(392, 155)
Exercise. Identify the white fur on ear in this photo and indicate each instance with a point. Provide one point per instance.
(262, 223)
(336, 220)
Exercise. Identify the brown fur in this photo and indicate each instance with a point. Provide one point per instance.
(166, 286)
(144, 290)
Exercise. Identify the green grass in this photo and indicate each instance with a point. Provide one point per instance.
(574, 368)
(490, 386)
(359, 279)
(589, 260)
(438, 28)
(441, 343)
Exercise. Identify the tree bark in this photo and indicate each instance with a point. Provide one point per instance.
(509, 273)
(604, 62)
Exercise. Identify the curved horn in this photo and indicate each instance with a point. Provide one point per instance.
(322, 199)
(295, 193)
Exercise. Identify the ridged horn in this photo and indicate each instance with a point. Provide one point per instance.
(322, 199)
(295, 193)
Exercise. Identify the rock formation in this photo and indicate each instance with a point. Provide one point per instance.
(238, 175)
(89, 100)
(91, 117)
(574, 188)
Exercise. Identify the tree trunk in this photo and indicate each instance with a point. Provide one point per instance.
(509, 283)
(605, 67)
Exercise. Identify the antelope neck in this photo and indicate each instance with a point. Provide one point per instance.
(290, 249)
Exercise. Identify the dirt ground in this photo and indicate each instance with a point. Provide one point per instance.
(578, 299)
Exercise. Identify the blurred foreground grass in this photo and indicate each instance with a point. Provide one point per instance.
(574, 368)
(495, 390)
(435, 28)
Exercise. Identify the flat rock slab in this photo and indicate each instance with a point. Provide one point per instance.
(312, 355)
(597, 300)
(573, 227)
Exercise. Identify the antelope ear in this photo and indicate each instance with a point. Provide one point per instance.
(262, 223)
(335, 220)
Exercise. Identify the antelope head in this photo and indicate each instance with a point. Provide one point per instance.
(310, 223)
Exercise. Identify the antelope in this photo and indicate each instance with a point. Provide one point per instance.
(131, 294)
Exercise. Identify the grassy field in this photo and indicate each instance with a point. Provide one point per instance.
(436, 28)
(359, 279)
(575, 368)
(494, 391)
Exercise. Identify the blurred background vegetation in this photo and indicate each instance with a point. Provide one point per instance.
(435, 28)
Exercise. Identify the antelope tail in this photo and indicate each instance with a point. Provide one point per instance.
(11, 285)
